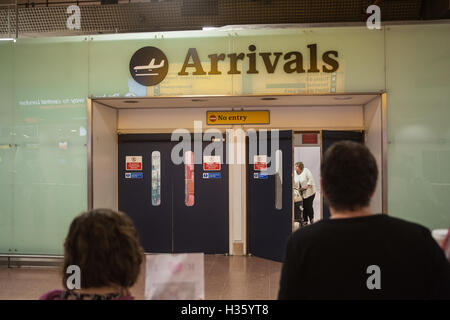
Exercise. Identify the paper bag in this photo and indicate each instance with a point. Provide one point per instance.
(175, 277)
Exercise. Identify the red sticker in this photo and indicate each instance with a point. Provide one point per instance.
(133, 163)
(260, 162)
(211, 163)
(309, 138)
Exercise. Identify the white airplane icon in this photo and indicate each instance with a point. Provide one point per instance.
(149, 67)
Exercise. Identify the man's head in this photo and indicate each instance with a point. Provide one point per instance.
(349, 176)
(299, 167)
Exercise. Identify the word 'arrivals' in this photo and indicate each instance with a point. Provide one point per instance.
(293, 62)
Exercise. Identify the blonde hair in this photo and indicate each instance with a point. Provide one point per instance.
(300, 165)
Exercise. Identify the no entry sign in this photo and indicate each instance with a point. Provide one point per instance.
(211, 163)
(133, 163)
(260, 162)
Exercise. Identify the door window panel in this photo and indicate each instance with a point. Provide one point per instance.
(189, 178)
(156, 178)
(278, 180)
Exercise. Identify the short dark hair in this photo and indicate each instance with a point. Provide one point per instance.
(105, 245)
(349, 175)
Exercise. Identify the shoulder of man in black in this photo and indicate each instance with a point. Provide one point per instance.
(398, 225)
(397, 244)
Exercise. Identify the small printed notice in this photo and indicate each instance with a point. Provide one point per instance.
(238, 117)
(134, 175)
(212, 175)
(133, 163)
(175, 277)
(211, 163)
(260, 162)
(259, 175)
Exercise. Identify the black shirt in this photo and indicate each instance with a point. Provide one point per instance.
(330, 260)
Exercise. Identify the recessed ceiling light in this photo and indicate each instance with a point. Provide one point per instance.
(343, 98)
(268, 98)
(131, 101)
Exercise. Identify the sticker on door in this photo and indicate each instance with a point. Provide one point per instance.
(260, 162)
(259, 175)
(211, 163)
(133, 163)
(212, 175)
(134, 175)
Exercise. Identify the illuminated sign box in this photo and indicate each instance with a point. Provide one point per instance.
(237, 117)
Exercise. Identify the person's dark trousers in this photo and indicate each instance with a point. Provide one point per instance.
(297, 211)
(308, 211)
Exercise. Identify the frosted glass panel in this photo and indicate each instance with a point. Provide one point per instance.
(278, 180)
(44, 84)
(189, 179)
(110, 75)
(7, 150)
(418, 101)
(156, 178)
(50, 179)
(360, 55)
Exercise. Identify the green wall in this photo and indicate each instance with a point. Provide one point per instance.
(44, 84)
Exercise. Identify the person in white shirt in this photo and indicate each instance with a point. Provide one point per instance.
(298, 200)
(305, 182)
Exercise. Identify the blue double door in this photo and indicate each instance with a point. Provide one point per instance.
(270, 208)
(175, 208)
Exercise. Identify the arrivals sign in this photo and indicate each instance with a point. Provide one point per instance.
(237, 117)
(149, 65)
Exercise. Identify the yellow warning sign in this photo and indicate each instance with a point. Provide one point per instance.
(237, 117)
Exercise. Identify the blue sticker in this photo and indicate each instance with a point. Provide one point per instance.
(134, 175)
(259, 175)
(212, 175)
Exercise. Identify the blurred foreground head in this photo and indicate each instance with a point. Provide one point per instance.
(349, 176)
(105, 245)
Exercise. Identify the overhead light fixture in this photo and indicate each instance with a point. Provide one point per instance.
(343, 98)
(7, 39)
(209, 28)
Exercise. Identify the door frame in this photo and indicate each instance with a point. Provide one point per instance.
(319, 144)
(93, 102)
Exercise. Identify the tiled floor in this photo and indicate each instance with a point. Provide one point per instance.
(226, 277)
